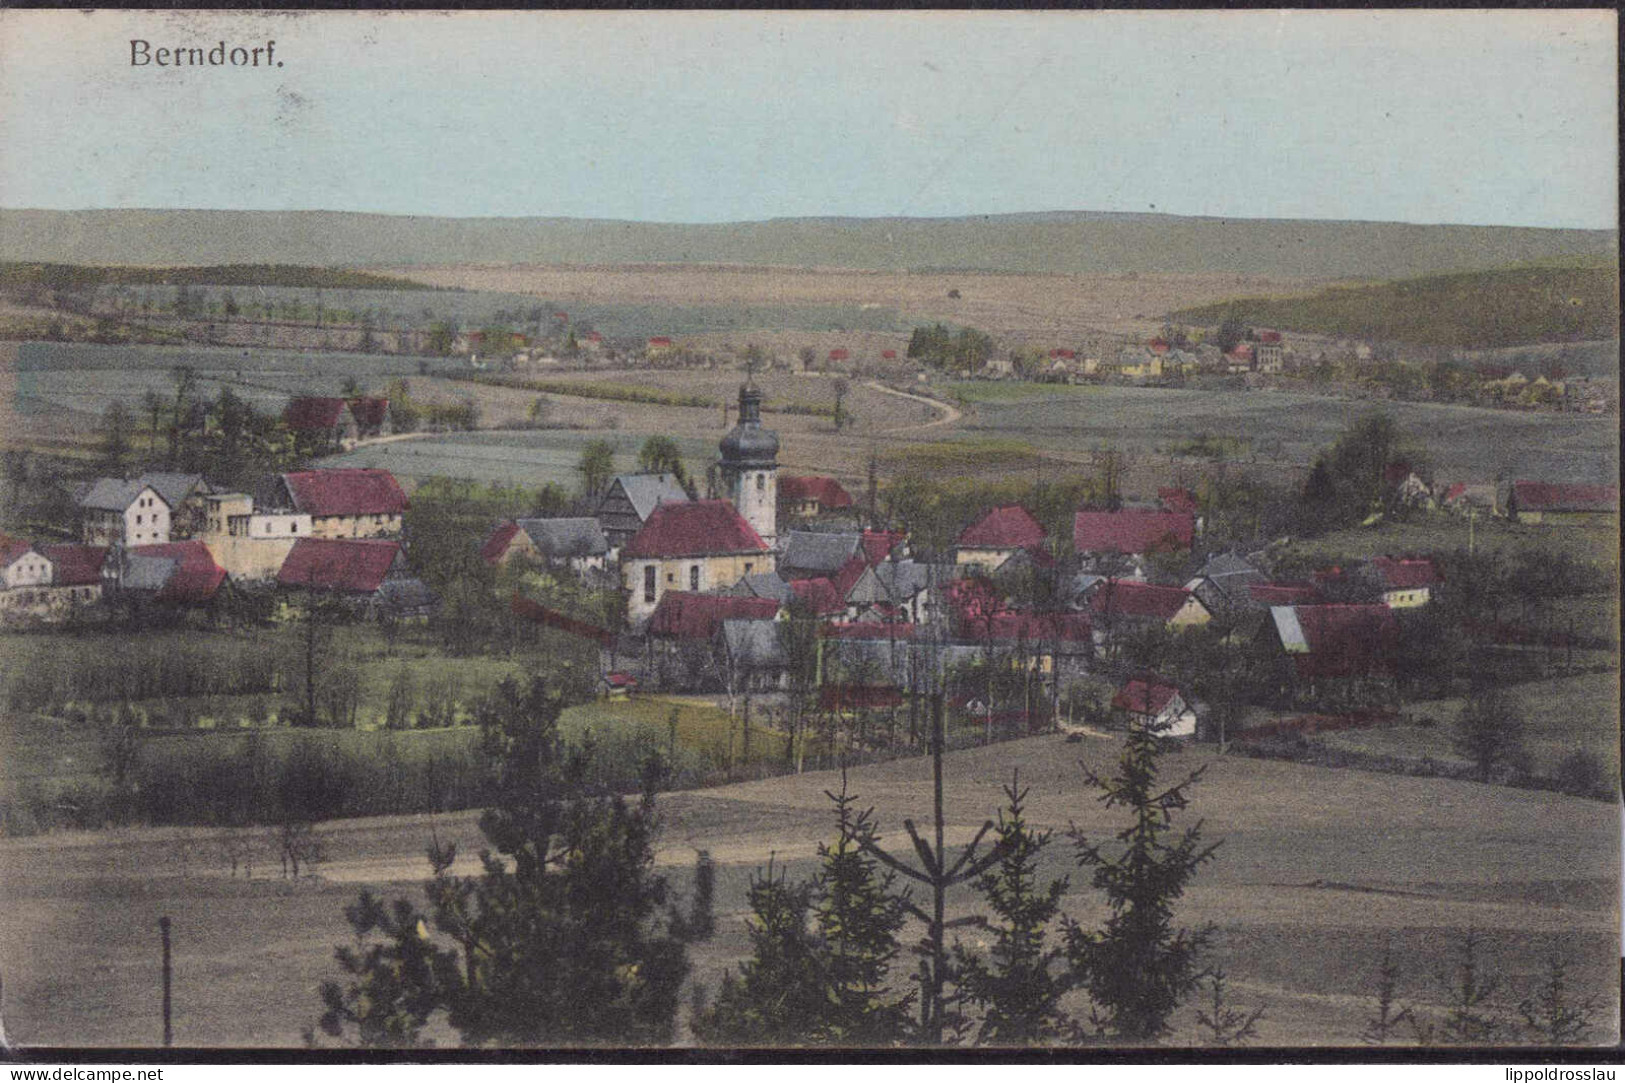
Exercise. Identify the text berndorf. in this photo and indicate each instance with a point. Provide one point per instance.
(220, 55)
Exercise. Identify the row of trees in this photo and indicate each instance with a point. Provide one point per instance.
(965, 350)
(568, 936)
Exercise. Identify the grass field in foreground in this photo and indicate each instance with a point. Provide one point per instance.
(1318, 870)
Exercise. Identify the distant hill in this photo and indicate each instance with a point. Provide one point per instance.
(70, 276)
(1515, 306)
(1059, 242)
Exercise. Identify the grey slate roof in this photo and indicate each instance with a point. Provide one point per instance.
(899, 580)
(110, 494)
(566, 538)
(646, 491)
(817, 552)
(174, 488)
(146, 573)
(405, 595)
(762, 585)
(1223, 581)
(754, 643)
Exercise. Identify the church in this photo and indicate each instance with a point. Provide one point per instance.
(710, 545)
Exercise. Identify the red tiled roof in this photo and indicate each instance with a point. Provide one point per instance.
(535, 611)
(1141, 697)
(1406, 574)
(11, 549)
(338, 564)
(1132, 530)
(1159, 345)
(305, 414)
(660, 340)
(196, 576)
(497, 544)
(369, 413)
(847, 576)
(852, 697)
(1284, 593)
(1347, 640)
(1177, 499)
(1270, 337)
(1552, 496)
(1455, 492)
(1395, 473)
(1241, 351)
(865, 630)
(1128, 598)
(820, 594)
(827, 491)
(620, 680)
(888, 355)
(75, 565)
(561, 316)
(693, 529)
(878, 544)
(838, 355)
(594, 336)
(1009, 526)
(1063, 355)
(346, 492)
(686, 615)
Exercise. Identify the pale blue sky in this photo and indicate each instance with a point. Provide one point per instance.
(1500, 117)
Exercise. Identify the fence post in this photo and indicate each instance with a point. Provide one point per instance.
(163, 929)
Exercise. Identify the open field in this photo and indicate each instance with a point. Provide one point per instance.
(1507, 307)
(1318, 870)
(1562, 716)
(1047, 309)
(1465, 443)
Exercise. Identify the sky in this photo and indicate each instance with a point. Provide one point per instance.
(1505, 117)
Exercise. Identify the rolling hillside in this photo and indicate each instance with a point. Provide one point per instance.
(1058, 243)
(1478, 310)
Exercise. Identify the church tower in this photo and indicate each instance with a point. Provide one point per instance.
(749, 466)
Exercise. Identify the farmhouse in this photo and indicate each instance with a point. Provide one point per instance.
(323, 424)
(1336, 641)
(629, 501)
(113, 512)
(809, 497)
(354, 503)
(76, 573)
(1406, 583)
(896, 590)
(577, 544)
(250, 545)
(369, 576)
(997, 536)
(25, 578)
(1555, 504)
(1222, 584)
(1131, 532)
(174, 574)
(753, 654)
(1154, 705)
(372, 416)
(809, 554)
(696, 546)
(1116, 603)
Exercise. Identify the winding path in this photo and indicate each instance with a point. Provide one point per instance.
(950, 414)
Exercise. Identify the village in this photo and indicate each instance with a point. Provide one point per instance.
(789, 597)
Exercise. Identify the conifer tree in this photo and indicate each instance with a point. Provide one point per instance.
(777, 991)
(1139, 966)
(1019, 983)
(564, 938)
(858, 914)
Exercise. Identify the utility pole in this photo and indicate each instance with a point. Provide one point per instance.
(163, 932)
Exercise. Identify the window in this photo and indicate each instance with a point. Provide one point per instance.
(761, 483)
(694, 577)
(293, 528)
(648, 582)
(138, 520)
(748, 567)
